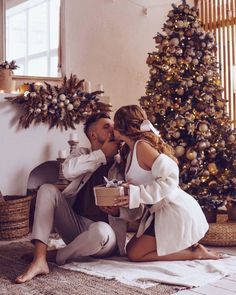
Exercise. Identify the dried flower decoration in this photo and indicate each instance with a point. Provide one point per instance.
(58, 106)
(8, 65)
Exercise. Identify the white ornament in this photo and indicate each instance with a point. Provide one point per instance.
(38, 111)
(62, 97)
(44, 107)
(70, 107)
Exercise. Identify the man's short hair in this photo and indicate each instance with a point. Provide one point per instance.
(93, 119)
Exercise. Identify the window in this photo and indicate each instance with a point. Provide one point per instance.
(32, 36)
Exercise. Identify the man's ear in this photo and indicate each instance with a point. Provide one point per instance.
(93, 135)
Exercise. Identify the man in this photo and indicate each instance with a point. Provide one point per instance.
(81, 225)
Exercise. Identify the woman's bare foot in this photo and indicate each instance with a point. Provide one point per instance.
(37, 267)
(201, 252)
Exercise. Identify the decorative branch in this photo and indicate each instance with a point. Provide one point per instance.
(61, 106)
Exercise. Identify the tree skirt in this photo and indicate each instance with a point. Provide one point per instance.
(61, 281)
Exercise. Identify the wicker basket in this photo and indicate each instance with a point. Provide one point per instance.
(221, 233)
(14, 217)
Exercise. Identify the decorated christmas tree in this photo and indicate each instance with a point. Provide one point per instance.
(184, 101)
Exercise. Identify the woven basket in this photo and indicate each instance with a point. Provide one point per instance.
(221, 233)
(14, 217)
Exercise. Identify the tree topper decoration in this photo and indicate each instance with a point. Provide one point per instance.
(58, 106)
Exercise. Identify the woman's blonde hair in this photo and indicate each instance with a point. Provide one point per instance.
(127, 121)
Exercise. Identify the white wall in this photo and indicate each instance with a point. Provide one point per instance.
(107, 42)
(24, 149)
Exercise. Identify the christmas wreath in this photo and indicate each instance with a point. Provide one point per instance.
(58, 106)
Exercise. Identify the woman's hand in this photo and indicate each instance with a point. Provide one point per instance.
(122, 201)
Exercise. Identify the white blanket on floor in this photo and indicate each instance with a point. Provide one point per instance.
(147, 274)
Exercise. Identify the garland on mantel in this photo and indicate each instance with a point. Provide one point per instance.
(58, 106)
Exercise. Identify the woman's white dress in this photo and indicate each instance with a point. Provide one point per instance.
(179, 221)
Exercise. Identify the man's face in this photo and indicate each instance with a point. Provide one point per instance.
(103, 130)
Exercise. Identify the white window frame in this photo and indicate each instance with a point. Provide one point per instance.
(62, 43)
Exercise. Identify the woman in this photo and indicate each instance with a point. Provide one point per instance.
(172, 222)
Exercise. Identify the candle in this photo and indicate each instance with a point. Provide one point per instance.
(99, 88)
(37, 86)
(61, 154)
(73, 137)
(87, 86)
(1, 91)
(1, 197)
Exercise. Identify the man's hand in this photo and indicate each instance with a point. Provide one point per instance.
(111, 210)
(110, 148)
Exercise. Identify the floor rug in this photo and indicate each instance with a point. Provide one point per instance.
(61, 281)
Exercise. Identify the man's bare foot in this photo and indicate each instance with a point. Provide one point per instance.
(201, 252)
(35, 268)
(51, 256)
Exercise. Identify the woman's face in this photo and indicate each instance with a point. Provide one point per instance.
(117, 134)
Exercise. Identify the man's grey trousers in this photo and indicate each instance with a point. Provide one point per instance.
(83, 237)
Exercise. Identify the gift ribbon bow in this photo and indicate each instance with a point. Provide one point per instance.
(113, 182)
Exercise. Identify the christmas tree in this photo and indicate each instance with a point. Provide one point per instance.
(184, 101)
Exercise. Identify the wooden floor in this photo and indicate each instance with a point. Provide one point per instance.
(225, 286)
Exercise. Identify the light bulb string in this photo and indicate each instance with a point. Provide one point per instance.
(150, 6)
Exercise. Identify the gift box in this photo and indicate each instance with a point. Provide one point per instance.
(105, 196)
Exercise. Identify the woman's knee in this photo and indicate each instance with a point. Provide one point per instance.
(132, 254)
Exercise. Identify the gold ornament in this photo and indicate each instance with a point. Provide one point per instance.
(220, 104)
(194, 162)
(191, 154)
(180, 91)
(199, 79)
(179, 151)
(221, 143)
(212, 168)
(203, 127)
(176, 134)
(174, 42)
(195, 61)
(180, 24)
(231, 138)
(61, 104)
(173, 60)
(206, 173)
(202, 145)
